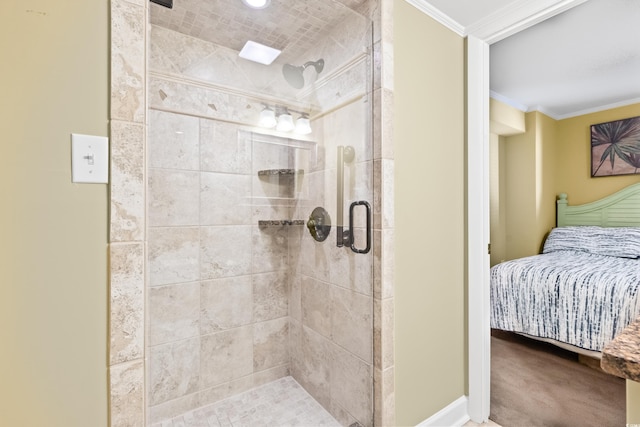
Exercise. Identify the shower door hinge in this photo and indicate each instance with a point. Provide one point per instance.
(489, 248)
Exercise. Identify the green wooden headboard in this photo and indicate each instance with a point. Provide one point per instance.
(621, 209)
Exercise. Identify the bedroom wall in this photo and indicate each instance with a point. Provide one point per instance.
(633, 403)
(53, 271)
(546, 161)
(573, 172)
(497, 199)
(505, 121)
(551, 157)
(528, 174)
(430, 368)
(519, 200)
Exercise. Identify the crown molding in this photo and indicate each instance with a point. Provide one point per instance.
(598, 109)
(509, 101)
(516, 17)
(438, 15)
(504, 22)
(555, 116)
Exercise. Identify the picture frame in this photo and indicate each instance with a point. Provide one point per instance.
(615, 148)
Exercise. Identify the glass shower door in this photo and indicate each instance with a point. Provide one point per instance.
(241, 154)
(332, 300)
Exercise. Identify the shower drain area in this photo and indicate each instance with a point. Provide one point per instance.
(279, 403)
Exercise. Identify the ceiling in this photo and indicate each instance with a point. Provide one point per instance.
(292, 26)
(582, 60)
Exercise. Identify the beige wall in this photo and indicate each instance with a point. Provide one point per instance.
(520, 186)
(505, 121)
(53, 273)
(520, 189)
(429, 215)
(633, 402)
(546, 164)
(527, 179)
(497, 199)
(573, 172)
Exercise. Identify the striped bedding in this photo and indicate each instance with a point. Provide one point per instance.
(572, 296)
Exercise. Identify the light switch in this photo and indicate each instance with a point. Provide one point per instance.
(89, 158)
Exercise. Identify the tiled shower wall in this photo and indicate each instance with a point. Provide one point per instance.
(218, 284)
(127, 242)
(222, 285)
(331, 325)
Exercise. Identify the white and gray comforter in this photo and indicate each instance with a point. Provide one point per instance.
(572, 296)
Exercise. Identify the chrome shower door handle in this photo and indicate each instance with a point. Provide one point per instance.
(368, 228)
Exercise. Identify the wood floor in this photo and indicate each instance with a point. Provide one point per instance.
(538, 384)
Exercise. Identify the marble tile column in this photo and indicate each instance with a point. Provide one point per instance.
(384, 235)
(127, 212)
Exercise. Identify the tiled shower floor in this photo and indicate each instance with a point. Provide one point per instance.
(279, 403)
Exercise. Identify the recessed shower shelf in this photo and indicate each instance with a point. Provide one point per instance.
(280, 222)
(280, 172)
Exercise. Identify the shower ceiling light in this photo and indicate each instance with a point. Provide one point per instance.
(257, 4)
(303, 126)
(268, 118)
(259, 53)
(285, 122)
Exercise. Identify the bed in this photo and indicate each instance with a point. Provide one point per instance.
(584, 288)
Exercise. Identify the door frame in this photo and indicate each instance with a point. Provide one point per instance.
(520, 16)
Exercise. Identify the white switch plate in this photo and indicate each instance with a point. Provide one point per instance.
(89, 159)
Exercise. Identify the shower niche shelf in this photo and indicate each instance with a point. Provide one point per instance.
(281, 183)
(282, 194)
(280, 172)
(279, 222)
(281, 165)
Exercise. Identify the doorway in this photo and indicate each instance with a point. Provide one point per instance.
(478, 175)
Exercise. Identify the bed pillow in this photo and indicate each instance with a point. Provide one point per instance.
(621, 242)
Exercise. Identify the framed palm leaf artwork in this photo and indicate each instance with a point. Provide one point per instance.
(615, 148)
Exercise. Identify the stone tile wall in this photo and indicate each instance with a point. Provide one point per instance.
(127, 215)
(218, 284)
(330, 347)
(332, 288)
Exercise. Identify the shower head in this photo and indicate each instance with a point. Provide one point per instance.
(293, 74)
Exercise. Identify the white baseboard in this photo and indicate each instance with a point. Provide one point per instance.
(454, 414)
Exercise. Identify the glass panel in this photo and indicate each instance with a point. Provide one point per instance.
(240, 295)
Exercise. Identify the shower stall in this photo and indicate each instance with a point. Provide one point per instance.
(259, 191)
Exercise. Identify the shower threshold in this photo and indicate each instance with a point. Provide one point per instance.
(279, 403)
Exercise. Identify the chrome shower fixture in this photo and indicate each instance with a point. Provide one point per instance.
(293, 74)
